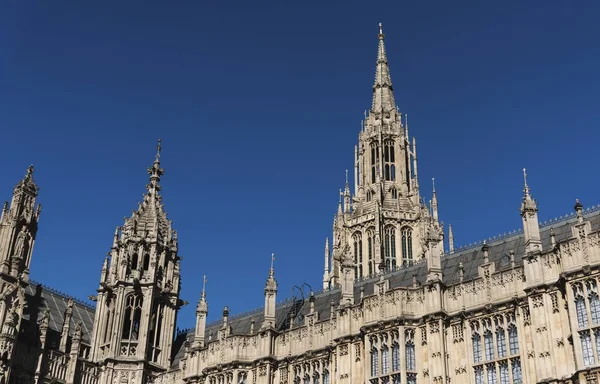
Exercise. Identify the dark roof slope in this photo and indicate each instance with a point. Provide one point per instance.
(40, 297)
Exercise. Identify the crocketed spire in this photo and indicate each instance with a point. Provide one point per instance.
(383, 92)
(150, 219)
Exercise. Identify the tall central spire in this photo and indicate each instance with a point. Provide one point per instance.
(383, 92)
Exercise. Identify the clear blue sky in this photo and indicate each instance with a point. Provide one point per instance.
(259, 106)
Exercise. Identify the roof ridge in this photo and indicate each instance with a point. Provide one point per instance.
(86, 304)
(544, 224)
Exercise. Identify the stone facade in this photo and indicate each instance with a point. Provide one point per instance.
(396, 307)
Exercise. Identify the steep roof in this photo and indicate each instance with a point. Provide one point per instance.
(40, 297)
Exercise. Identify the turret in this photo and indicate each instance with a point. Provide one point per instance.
(138, 298)
(529, 215)
(270, 297)
(201, 314)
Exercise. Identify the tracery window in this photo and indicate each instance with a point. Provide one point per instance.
(498, 363)
(390, 248)
(592, 289)
(133, 316)
(385, 346)
(407, 255)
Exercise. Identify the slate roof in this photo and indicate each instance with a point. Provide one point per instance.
(40, 297)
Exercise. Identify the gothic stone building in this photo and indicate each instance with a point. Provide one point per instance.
(397, 305)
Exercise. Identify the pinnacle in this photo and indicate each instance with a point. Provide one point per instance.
(383, 92)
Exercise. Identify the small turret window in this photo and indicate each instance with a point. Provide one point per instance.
(369, 195)
(134, 262)
(146, 262)
(358, 255)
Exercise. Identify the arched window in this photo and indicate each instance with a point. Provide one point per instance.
(316, 378)
(146, 262)
(592, 289)
(407, 255)
(134, 262)
(325, 377)
(394, 192)
(133, 317)
(369, 195)
(390, 248)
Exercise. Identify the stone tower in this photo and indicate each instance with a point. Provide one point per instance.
(138, 297)
(18, 227)
(384, 224)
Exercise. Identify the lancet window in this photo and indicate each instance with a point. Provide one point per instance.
(134, 261)
(109, 318)
(374, 161)
(155, 333)
(587, 313)
(390, 248)
(407, 240)
(389, 167)
(491, 359)
(358, 254)
(370, 250)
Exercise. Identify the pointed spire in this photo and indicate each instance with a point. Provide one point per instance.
(383, 93)
(326, 272)
(434, 202)
(528, 204)
(450, 239)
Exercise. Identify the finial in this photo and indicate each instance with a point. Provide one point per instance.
(341, 194)
(346, 177)
(203, 288)
(433, 182)
(526, 190)
(272, 270)
(29, 171)
(380, 31)
(158, 149)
